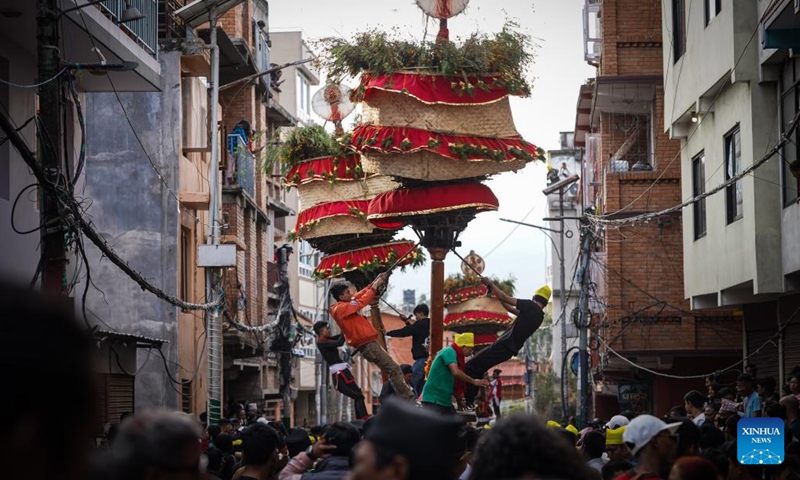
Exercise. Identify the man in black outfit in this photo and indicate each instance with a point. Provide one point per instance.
(343, 380)
(419, 329)
(529, 314)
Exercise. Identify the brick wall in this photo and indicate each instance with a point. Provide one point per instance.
(631, 37)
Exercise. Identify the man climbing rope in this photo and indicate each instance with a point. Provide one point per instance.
(359, 332)
(530, 315)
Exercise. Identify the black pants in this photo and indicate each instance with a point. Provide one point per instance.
(440, 409)
(345, 383)
(496, 409)
(478, 365)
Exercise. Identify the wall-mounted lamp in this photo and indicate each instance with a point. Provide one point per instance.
(695, 117)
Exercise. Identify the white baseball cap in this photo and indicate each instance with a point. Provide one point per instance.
(617, 421)
(642, 429)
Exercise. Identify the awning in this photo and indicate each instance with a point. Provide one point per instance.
(232, 64)
(781, 30)
(411, 203)
(120, 337)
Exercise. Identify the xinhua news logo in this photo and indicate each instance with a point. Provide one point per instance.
(760, 441)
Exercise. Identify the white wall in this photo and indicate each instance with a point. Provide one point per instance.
(20, 252)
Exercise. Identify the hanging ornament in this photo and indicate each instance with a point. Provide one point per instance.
(474, 263)
(442, 9)
(332, 102)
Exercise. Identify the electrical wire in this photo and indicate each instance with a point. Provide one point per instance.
(36, 84)
(718, 372)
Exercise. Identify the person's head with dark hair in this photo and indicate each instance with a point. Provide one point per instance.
(157, 444)
(766, 387)
(405, 442)
(245, 125)
(751, 370)
(677, 412)
(280, 428)
(260, 455)
(214, 457)
(421, 311)
(774, 410)
(718, 458)
(213, 432)
(567, 435)
(792, 407)
(794, 383)
(225, 425)
(224, 442)
(694, 468)
(711, 436)
(342, 292)
(629, 414)
(694, 402)
(688, 438)
(614, 468)
(322, 329)
(343, 436)
(710, 411)
(594, 444)
(730, 427)
(522, 446)
(726, 393)
(297, 441)
(317, 431)
(744, 384)
(58, 358)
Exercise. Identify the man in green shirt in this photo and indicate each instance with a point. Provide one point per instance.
(446, 377)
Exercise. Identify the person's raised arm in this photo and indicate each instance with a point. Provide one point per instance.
(499, 294)
(510, 308)
(460, 375)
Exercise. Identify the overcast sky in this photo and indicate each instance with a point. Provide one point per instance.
(557, 74)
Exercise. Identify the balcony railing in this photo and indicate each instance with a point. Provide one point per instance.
(592, 40)
(145, 30)
(170, 25)
(241, 165)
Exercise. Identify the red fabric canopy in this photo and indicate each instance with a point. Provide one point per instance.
(350, 208)
(337, 264)
(386, 207)
(325, 169)
(456, 147)
(477, 316)
(437, 89)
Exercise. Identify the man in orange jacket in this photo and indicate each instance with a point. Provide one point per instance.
(359, 332)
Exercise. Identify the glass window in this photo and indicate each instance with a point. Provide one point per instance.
(699, 188)
(306, 259)
(733, 166)
(712, 8)
(790, 93)
(679, 28)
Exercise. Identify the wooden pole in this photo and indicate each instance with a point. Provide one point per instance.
(437, 299)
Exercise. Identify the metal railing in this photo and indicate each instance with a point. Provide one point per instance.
(241, 170)
(169, 25)
(145, 30)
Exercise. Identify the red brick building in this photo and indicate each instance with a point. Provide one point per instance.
(631, 167)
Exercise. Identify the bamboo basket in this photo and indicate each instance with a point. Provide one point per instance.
(431, 167)
(339, 225)
(399, 110)
(314, 193)
(483, 304)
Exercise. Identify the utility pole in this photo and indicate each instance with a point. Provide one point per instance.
(584, 320)
(53, 256)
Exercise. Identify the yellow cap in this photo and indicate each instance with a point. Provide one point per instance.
(237, 442)
(553, 424)
(614, 437)
(571, 428)
(465, 339)
(544, 292)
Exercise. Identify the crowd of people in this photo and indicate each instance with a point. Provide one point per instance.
(424, 439)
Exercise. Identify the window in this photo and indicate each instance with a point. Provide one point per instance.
(303, 95)
(712, 8)
(186, 248)
(699, 188)
(733, 166)
(306, 259)
(790, 99)
(679, 28)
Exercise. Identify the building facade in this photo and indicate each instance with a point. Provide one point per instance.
(563, 163)
(632, 167)
(732, 104)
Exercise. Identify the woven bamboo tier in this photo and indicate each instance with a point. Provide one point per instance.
(314, 193)
(336, 218)
(401, 110)
(432, 167)
(324, 179)
(341, 243)
(371, 257)
(483, 304)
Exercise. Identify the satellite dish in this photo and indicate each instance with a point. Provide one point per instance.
(442, 9)
(332, 102)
